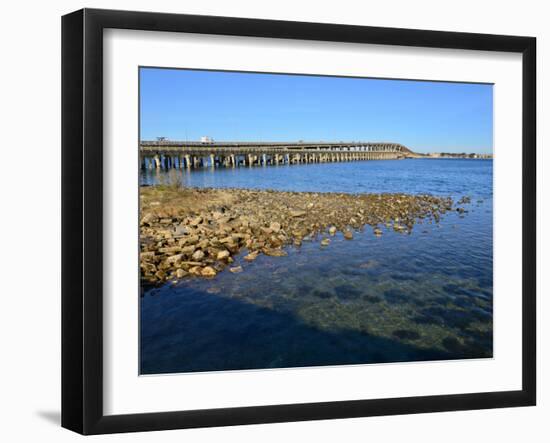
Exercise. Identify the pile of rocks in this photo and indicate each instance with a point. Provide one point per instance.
(199, 231)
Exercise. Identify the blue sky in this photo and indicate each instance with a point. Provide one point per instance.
(424, 116)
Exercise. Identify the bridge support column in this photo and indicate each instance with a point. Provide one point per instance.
(156, 159)
(212, 161)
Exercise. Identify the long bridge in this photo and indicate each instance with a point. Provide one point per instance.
(166, 154)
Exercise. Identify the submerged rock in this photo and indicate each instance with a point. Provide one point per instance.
(274, 252)
(252, 256)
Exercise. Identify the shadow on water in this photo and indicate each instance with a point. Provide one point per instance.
(221, 333)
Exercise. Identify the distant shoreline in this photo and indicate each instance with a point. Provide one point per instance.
(437, 155)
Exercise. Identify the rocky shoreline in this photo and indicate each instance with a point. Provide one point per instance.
(197, 232)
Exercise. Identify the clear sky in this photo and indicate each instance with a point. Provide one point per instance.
(424, 116)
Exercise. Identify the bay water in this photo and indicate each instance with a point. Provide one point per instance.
(427, 295)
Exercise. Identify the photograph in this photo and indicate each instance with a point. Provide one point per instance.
(303, 220)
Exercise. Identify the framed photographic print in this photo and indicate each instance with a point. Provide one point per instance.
(269, 221)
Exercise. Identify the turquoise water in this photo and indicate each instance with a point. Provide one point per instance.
(423, 296)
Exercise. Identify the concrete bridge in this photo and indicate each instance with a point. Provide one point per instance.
(168, 154)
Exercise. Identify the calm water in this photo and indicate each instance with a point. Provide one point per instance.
(423, 296)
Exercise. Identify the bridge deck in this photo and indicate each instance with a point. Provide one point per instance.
(192, 154)
(246, 147)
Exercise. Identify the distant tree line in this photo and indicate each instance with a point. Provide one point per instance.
(459, 155)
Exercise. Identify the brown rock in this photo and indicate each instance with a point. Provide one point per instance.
(170, 249)
(161, 275)
(147, 256)
(192, 240)
(148, 267)
(348, 235)
(195, 270)
(190, 263)
(188, 250)
(175, 258)
(195, 221)
(236, 269)
(180, 273)
(222, 255)
(149, 219)
(275, 242)
(198, 255)
(208, 271)
(233, 248)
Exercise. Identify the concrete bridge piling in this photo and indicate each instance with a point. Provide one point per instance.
(194, 155)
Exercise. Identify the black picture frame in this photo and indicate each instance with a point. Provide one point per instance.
(82, 218)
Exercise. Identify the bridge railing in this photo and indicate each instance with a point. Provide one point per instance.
(239, 149)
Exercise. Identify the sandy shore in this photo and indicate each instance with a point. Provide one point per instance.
(196, 232)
